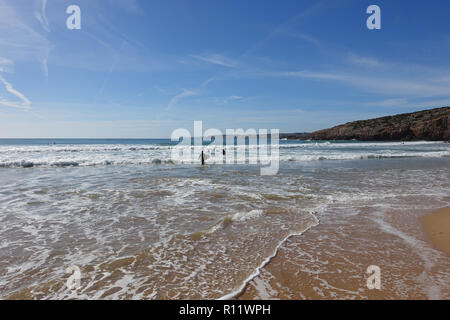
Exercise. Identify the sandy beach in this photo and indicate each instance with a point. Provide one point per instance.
(437, 228)
(330, 261)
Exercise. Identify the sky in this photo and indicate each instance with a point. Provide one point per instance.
(143, 68)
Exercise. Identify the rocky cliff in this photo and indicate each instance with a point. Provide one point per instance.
(423, 125)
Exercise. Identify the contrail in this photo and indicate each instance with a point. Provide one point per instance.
(24, 104)
(42, 16)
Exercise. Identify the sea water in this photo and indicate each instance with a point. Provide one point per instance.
(140, 226)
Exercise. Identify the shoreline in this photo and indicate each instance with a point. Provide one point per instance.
(436, 226)
(237, 293)
(330, 260)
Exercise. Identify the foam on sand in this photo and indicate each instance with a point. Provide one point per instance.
(257, 271)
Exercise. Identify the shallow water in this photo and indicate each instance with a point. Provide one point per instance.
(141, 230)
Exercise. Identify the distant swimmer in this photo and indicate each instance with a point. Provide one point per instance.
(223, 151)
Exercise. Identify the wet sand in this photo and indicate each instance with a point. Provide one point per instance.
(437, 228)
(330, 261)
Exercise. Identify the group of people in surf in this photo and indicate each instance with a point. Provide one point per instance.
(203, 158)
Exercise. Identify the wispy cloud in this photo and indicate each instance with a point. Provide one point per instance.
(41, 15)
(302, 37)
(301, 16)
(24, 103)
(45, 66)
(226, 100)
(406, 103)
(185, 93)
(363, 61)
(377, 84)
(4, 61)
(218, 59)
(394, 102)
(307, 38)
(207, 82)
(5, 65)
(18, 39)
(130, 6)
(162, 91)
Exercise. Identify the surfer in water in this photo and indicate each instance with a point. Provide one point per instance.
(203, 158)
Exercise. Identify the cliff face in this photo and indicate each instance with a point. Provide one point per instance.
(423, 125)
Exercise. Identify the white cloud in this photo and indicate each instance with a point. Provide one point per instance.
(394, 102)
(41, 15)
(178, 97)
(207, 82)
(436, 103)
(311, 75)
(45, 66)
(405, 103)
(23, 104)
(7, 62)
(162, 91)
(130, 6)
(363, 61)
(377, 84)
(226, 100)
(20, 40)
(305, 37)
(218, 59)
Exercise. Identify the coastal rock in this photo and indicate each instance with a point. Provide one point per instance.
(423, 125)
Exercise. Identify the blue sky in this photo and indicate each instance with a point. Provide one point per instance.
(140, 69)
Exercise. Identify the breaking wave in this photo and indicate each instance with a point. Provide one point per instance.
(24, 156)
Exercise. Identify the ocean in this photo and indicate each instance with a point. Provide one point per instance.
(141, 226)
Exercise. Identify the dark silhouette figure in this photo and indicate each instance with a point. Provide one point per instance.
(203, 158)
(223, 151)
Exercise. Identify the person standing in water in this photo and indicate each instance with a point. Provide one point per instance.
(203, 158)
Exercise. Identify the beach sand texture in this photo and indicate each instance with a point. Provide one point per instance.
(437, 227)
(330, 261)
